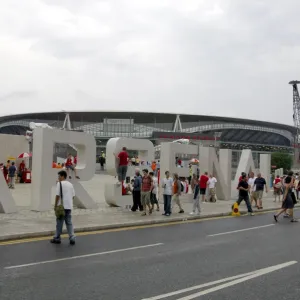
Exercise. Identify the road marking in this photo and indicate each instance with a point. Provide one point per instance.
(240, 230)
(197, 287)
(237, 281)
(82, 256)
(230, 281)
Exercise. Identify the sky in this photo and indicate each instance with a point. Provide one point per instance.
(230, 58)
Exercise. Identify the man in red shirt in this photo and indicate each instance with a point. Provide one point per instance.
(147, 187)
(203, 185)
(122, 159)
(69, 165)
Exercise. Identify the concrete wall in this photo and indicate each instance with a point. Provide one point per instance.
(12, 145)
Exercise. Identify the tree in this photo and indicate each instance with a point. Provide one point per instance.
(282, 160)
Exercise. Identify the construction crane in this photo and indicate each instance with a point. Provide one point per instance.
(296, 108)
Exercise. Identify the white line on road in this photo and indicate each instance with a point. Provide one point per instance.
(240, 230)
(230, 281)
(258, 273)
(83, 256)
(197, 287)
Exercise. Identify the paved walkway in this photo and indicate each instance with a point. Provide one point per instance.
(27, 223)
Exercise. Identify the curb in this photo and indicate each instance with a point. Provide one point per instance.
(125, 225)
(108, 227)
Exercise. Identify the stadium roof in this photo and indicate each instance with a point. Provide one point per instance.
(140, 117)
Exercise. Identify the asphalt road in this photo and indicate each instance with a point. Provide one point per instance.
(252, 263)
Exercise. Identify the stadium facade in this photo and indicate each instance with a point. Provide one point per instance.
(221, 132)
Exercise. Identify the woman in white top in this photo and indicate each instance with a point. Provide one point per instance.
(154, 191)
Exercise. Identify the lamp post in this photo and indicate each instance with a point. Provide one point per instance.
(29, 135)
(217, 135)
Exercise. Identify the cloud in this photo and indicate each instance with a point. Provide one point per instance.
(229, 58)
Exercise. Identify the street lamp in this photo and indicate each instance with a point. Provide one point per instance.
(217, 135)
(29, 135)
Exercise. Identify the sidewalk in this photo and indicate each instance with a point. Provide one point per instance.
(26, 223)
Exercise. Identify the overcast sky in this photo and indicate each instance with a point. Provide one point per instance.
(229, 57)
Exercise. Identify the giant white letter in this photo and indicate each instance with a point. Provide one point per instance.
(7, 202)
(44, 176)
(265, 167)
(113, 192)
(246, 164)
(208, 162)
(168, 156)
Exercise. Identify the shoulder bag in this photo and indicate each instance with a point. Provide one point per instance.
(59, 209)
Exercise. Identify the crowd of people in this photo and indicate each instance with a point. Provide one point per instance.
(288, 187)
(144, 187)
(251, 190)
(12, 173)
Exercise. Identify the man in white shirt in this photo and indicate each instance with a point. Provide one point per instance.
(167, 185)
(64, 196)
(211, 183)
(251, 181)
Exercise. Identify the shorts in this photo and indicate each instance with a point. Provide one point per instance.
(145, 198)
(277, 192)
(70, 167)
(258, 195)
(153, 199)
(253, 196)
(202, 191)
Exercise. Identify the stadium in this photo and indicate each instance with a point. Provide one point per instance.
(220, 132)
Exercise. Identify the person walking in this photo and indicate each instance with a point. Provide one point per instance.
(260, 184)
(177, 192)
(11, 174)
(244, 189)
(212, 188)
(287, 200)
(65, 194)
(251, 181)
(147, 187)
(136, 192)
(167, 184)
(203, 185)
(102, 162)
(196, 197)
(153, 196)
